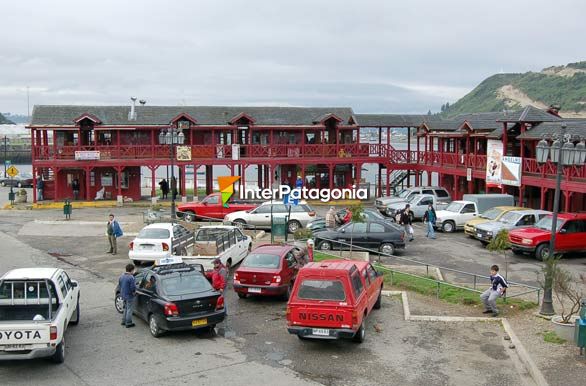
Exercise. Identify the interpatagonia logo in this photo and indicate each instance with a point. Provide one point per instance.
(226, 184)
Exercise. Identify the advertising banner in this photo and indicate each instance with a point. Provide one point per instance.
(494, 160)
(511, 171)
(90, 155)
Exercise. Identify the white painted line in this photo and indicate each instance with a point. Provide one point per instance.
(434, 318)
(438, 274)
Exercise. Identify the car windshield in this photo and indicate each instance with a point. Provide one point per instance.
(403, 193)
(546, 222)
(322, 290)
(455, 207)
(184, 284)
(510, 218)
(413, 198)
(154, 233)
(374, 215)
(261, 260)
(491, 214)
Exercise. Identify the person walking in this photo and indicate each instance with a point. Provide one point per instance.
(127, 292)
(331, 218)
(40, 187)
(220, 279)
(164, 188)
(113, 230)
(406, 216)
(498, 287)
(75, 188)
(429, 218)
(174, 187)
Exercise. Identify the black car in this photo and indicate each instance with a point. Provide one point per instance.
(383, 236)
(370, 214)
(23, 180)
(175, 297)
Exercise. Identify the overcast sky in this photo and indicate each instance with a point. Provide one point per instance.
(374, 56)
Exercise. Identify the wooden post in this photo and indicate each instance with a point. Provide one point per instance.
(153, 182)
(332, 168)
(88, 172)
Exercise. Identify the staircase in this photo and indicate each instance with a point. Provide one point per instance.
(396, 178)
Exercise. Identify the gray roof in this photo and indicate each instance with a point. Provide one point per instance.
(574, 127)
(47, 115)
(530, 114)
(391, 120)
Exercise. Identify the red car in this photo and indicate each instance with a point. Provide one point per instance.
(331, 300)
(570, 236)
(269, 270)
(211, 208)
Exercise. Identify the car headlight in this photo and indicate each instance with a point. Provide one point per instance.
(527, 241)
(489, 233)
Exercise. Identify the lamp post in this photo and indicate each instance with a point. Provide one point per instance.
(172, 137)
(562, 152)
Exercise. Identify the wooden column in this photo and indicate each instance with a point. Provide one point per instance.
(542, 198)
(380, 184)
(119, 174)
(387, 181)
(153, 181)
(88, 195)
(56, 183)
(358, 174)
(259, 173)
(332, 168)
(183, 182)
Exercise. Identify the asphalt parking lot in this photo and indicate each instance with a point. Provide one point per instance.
(254, 341)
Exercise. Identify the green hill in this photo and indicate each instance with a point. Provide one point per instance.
(4, 121)
(564, 86)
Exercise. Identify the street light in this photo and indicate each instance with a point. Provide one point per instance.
(563, 153)
(172, 137)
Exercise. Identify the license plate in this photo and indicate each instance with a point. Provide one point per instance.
(320, 331)
(15, 346)
(254, 290)
(199, 322)
(147, 246)
(479, 235)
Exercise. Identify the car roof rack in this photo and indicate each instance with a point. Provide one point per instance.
(172, 268)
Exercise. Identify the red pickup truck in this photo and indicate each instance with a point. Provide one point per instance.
(570, 236)
(211, 208)
(331, 300)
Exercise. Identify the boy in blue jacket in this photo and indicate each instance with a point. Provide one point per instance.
(498, 286)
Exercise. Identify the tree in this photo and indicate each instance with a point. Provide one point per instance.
(500, 243)
(357, 217)
(447, 106)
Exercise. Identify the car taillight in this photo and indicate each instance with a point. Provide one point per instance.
(165, 247)
(131, 245)
(236, 276)
(276, 279)
(355, 318)
(171, 309)
(53, 333)
(312, 214)
(288, 313)
(220, 303)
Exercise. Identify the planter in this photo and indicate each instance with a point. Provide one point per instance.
(20, 198)
(564, 331)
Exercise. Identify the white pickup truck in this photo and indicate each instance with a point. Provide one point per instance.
(36, 306)
(225, 242)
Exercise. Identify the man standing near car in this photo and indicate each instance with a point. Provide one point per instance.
(113, 230)
(40, 186)
(429, 218)
(220, 279)
(127, 292)
(406, 221)
(331, 218)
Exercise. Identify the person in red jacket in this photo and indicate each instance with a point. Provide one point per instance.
(219, 276)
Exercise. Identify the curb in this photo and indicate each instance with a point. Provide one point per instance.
(259, 235)
(525, 358)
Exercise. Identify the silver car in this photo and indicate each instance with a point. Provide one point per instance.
(512, 220)
(440, 193)
(260, 217)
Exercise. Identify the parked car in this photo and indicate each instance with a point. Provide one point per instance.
(570, 236)
(441, 194)
(332, 299)
(493, 214)
(176, 297)
(261, 216)
(515, 219)
(36, 307)
(159, 240)
(23, 180)
(224, 242)
(459, 212)
(379, 235)
(211, 208)
(418, 205)
(269, 270)
(370, 214)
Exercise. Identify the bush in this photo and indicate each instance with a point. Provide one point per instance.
(302, 234)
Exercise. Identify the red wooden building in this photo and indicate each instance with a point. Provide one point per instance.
(106, 146)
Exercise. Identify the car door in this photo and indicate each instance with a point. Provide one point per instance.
(213, 207)
(468, 212)
(261, 216)
(372, 283)
(421, 207)
(568, 238)
(375, 236)
(67, 295)
(70, 292)
(143, 296)
(355, 234)
(241, 249)
(289, 268)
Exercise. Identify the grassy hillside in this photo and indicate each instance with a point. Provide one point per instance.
(4, 121)
(562, 85)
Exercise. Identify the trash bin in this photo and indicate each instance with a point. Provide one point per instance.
(279, 227)
(67, 209)
(580, 331)
(11, 196)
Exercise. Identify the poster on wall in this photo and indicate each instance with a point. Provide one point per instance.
(494, 159)
(511, 171)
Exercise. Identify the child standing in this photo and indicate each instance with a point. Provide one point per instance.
(498, 286)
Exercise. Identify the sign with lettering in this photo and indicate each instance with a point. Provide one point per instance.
(183, 153)
(87, 155)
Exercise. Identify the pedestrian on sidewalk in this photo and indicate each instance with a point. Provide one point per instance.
(127, 292)
(429, 218)
(220, 279)
(174, 187)
(164, 188)
(498, 287)
(113, 230)
(331, 218)
(75, 188)
(40, 187)
(406, 221)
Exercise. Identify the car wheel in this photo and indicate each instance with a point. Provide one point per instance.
(325, 246)
(250, 247)
(448, 227)
(2, 183)
(240, 223)
(19, 185)
(387, 248)
(119, 303)
(59, 356)
(154, 327)
(542, 252)
(189, 216)
(75, 320)
(379, 300)
(360, 334)
(293, 226)
(241, 295)
(516, 251)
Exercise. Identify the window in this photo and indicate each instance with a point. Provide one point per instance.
(528, 219)
(67, 281)
(238, 233)
(185, 284)
(365, 276)
(290, 259)
(469, 208)
(376, 227)
(357, 285)
(280, 208)
(261, 260)
(440, 193)
(322, 290)
(573, 226)
(358, 227)
(263, 209)
(213, 200)
(427, 191)
(153, 233)
(62, 285)
(371, 273)
(426, 201)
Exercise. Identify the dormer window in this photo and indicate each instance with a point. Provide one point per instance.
(183, 125)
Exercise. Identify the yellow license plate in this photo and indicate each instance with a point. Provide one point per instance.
(199, 322)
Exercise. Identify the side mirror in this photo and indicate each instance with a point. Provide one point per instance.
(563, 230)
(343, 230)
(205, 202)
(74, 284)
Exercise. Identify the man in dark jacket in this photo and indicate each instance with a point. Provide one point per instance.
(406, 221)
(113, 230)
(127, 292)
(164, 188)
(429, 218)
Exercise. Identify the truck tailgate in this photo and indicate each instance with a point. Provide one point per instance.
(13, 336)
(321, 315)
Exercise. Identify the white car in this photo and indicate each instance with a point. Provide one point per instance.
(224, 242)
(159, 240)
(36, 306)
(260, 217)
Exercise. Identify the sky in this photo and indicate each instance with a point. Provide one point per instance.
(375, 56)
